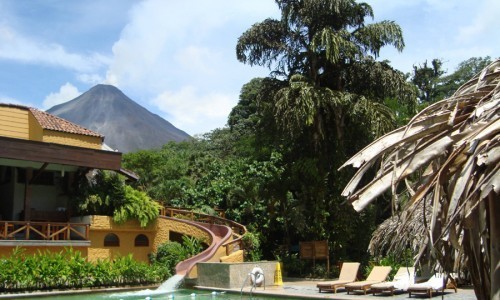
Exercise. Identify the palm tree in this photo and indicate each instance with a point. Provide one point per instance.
(324, 49)
(324, 100)
(448, 158)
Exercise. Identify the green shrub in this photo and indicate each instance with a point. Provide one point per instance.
(394, 261)
(107, 194)
(293, 266)
(169, 254)
(69, 269)
(251, 244)
(138, 206)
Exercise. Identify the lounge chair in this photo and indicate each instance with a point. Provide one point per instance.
(348, 274)
(403, 278)
(437, 283)
(377, 275)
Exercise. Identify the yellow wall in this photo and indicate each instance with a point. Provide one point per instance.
(236, 256)
(71, 139)
(164, 226)
(36, 131)
(157, 233)
(14, 123)
(127, 232)
(21, 124)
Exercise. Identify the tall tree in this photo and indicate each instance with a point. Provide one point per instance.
(323, 49)
(323, 100)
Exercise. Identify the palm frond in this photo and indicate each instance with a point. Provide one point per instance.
(453, 147)
(376, 35)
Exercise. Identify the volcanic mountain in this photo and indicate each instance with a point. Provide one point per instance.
(126, 125)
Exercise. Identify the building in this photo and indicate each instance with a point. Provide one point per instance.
(41, 158)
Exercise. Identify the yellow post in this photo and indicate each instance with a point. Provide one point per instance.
(278, 280)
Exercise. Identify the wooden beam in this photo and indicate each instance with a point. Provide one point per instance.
(59, 154)
(38, 173)
(27, 194)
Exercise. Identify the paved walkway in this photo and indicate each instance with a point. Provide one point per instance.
(306, 289)
(291, 289)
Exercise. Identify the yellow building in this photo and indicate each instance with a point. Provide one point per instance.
(41, 155)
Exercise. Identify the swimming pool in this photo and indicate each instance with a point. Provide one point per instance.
(181, 294)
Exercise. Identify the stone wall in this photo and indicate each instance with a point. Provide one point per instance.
(233, 275)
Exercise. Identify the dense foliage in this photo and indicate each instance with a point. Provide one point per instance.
(170, 253)
(105, 193)
(69, 269)
(432, 83)
(275, 167)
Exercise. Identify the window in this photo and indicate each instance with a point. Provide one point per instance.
(141, 241)
(111, 240)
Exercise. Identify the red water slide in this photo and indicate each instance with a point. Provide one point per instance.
(219, 233)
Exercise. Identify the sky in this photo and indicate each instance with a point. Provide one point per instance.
(178, 59)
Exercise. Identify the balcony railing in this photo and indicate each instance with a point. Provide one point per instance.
(23, 230)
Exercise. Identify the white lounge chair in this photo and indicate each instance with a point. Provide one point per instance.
(401, 281)
(437, 283)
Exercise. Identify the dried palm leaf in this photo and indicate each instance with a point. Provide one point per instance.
(454, 145)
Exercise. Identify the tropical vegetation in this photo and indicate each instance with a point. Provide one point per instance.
(279, 167)
(70, 269)
(106, 193)
(275, 166)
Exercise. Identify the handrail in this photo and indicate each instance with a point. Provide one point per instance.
(27, 230)
(238, 229)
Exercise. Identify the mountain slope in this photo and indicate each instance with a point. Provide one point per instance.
(126, 125)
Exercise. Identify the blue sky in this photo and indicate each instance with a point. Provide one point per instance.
(177, 58)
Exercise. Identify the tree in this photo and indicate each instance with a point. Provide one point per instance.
(324, 99)
(448, 156)
(427, 79)
(465, 70)
(322, 48)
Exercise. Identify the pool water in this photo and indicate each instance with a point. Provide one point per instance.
(183, 294)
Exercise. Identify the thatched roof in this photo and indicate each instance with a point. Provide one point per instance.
(451, 153)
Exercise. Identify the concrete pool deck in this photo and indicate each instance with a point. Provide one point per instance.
(292, 288)
(298, 288)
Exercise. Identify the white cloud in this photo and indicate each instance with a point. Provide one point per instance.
(14, 46)
(66, 92)
(90, 78)
(196, 59)
(188, 49)
(193, 112)
(481, 23)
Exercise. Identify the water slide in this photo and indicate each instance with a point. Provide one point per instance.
(220, 234)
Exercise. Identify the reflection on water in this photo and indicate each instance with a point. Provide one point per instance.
(169, 290)
(183, 294)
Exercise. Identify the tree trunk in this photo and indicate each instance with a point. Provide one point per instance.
(494, 245)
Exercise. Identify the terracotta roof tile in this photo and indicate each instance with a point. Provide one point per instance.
(51, 122)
